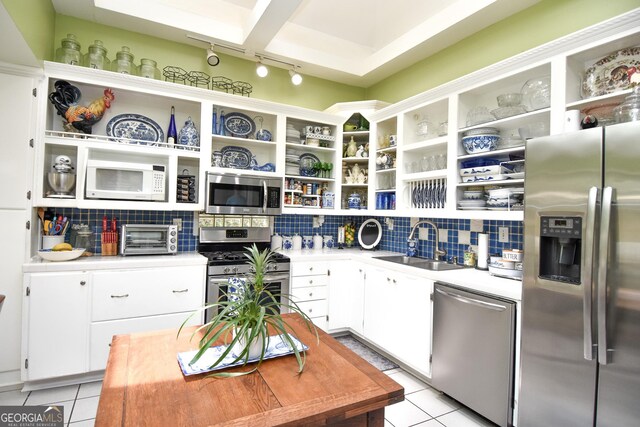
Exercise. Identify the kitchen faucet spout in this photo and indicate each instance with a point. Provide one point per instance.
(437, 252)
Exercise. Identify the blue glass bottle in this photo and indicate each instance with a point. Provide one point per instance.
(214, 121)
(221, 124)
(172, 133)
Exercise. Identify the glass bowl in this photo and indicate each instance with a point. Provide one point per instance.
(536, 93)
(509, 99)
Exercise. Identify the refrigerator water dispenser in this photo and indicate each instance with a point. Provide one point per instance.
(560, 253)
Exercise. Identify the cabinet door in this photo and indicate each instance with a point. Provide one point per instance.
(16, 110)
(58, 324)
(377, 302)
(346, 295)
(412, 303)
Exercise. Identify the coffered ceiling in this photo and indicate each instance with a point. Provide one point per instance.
(357, 42)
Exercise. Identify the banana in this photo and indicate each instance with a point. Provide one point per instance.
(62, 247)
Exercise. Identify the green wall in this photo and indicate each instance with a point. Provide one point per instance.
(539, 24)
(36, 21)
(313, 93)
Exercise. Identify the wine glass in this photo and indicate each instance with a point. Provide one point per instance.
(329, 167)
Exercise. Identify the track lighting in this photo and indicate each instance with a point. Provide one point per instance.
(296, 78)
(261, 69)
(212, 57)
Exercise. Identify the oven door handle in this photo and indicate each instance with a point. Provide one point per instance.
(222, 280)
(275, 277)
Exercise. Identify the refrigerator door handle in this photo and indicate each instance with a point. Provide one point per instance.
(587, 274)
(603, 254)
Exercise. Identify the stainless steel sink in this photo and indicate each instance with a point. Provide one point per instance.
(426, 263)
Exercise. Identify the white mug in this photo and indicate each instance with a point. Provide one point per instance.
(571, 120)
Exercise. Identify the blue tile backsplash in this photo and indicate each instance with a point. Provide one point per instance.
(396, 240)
(392, 240)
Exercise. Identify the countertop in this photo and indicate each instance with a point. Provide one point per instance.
(37, 264)
(143, 384)
(469, 278)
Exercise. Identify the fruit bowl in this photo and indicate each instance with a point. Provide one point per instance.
(50, 255)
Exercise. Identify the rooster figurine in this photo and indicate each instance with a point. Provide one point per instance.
(65, 98)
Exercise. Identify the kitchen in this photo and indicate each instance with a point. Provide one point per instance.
(458, 229)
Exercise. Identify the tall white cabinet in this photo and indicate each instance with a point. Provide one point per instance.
(17, 110)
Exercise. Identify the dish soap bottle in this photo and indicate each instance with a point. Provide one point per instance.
(172, 134)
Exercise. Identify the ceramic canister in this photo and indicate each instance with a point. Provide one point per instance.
(296, 242)
(307, 242)
(317, 242)
(276, 242)
(328, 242)
(354, 201)
(287, 243)
(328, 199)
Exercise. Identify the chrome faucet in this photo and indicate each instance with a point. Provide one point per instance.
(437, 252)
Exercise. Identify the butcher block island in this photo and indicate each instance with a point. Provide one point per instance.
(144, 386)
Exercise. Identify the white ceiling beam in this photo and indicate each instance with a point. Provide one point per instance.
(266, 20)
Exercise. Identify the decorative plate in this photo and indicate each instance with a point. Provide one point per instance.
(135, 126)
(611, 73)
(307, 161)
(236, 157)
(239, 125)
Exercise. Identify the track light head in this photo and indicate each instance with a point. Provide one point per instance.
(212, 57)
(261, 70)
(296, 78)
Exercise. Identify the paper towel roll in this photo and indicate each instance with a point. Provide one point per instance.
(483, 250)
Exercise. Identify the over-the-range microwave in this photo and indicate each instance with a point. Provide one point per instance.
(242, 194)
(117, 180)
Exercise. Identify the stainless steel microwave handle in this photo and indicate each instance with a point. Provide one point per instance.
(472, 301)
(587, 274)
(266, 196)
(603, 254)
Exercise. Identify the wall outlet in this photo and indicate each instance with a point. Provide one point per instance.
(178, 222)
(389, 222)
(503, 234)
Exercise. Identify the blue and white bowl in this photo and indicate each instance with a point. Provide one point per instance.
(480, 143)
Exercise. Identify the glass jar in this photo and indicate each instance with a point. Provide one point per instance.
(629, 110)
(124, 62)
(69, 53)
(149, 69)
(85, 238)
(423, 126)
(96, 57)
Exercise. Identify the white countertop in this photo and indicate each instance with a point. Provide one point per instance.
(37, 264)
(469, 278)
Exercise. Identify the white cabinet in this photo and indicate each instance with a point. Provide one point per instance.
(309, 282)
(71, 317)
(346, 296)
(57, 324)
(398, 315)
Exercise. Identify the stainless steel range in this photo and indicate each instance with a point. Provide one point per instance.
(225, 249)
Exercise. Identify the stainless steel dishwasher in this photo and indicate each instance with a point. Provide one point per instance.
(473, 350)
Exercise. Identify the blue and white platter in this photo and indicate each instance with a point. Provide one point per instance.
(307, 161)
(236, 157)
(276, 347)
(135, 126)
(239, 125)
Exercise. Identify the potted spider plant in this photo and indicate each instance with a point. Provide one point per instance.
(245, 313)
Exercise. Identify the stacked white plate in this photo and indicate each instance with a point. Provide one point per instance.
(292, 164)
(293, 135)
(472, 200)
(505, 198)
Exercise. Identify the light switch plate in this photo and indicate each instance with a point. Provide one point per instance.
(464, 237)
(503, 234)
(178, 222)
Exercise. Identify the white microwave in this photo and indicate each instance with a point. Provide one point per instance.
(125, 181)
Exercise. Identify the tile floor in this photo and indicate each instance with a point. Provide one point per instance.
(423, 406)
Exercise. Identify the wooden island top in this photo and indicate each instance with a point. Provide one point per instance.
(144, 386)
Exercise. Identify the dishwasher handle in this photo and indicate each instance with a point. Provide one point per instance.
(472, 301)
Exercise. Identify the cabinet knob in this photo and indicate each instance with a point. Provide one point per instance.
(310, 281)
(310, 268)
(311, 310)
(310, 294)
(120, 296)
(83, 282)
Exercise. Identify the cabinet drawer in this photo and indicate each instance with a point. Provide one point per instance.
(306, 281)
(314, 308)
(309, 293)
(137, 293)
(307, 268)
(103, 332)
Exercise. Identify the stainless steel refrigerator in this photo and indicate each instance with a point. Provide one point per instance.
(580, 354)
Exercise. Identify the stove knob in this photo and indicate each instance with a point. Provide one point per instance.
(226, 270)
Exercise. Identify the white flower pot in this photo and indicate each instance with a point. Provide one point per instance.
(255, 346)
